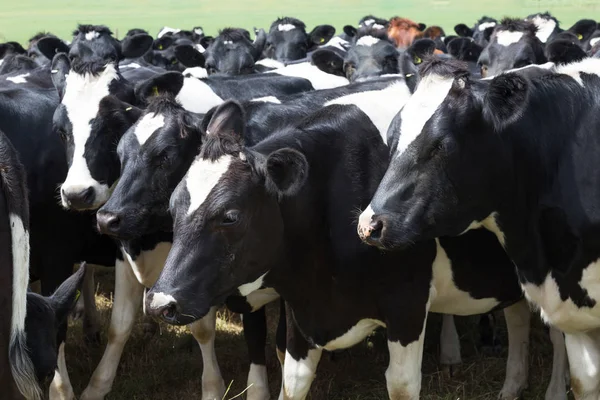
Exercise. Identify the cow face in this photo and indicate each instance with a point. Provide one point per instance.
(288, 41)
(224, 211)
(450, 162)
(480, 33)
(37, 55)
(44, 317)
(155, 153)
(512, 45)
(232, 52)
(403, 31)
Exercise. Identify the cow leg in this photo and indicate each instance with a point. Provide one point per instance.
(255, 334)
(91, 318)
(556, 389)
(300, 365)
(449, 345)
(203, 330)
(583, 350)
(60, 388)
(518, 323)
(128, 295)
(281, 338)
(403, 375)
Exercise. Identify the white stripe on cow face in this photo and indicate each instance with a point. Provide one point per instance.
(485, 25)
(91, 35)
(430, 94)
(160, 300)
(83, 94)
(367, 41)
(286, 27)
(147, 125)
(202, 177)
(506, 38)
(545, 27)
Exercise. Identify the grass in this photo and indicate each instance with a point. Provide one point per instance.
(168, 365)
(19, 20)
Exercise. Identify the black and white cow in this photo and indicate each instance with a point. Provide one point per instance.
(287, 39)
(513, 44)
(280, 214)
(39, 56)
(9, 48)
(481, 31)
(233, 53)
(515, 155)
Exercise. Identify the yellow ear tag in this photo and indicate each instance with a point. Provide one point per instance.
(160, 46)
(155, 90)
(418, 60)
(77, 294)
(579, 36)
(322, 40)
(128, 108)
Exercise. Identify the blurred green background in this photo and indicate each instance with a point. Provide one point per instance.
(19, 20)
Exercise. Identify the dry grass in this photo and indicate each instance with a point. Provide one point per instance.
(168, 365)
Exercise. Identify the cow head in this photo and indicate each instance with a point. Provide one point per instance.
(39, 56)
(404, 31)
(155, 153)
(232, 52)
(547, 26)
(9, 48)
(288, 41)
(513, 44)
(224, 209)
(481, 32)
(45, 316)
(411, 59)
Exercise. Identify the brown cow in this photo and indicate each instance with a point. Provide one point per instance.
(403, 31)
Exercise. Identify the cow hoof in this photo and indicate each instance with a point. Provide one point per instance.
(258, 392)
(213, 390)
(512, 393)
(450, 370)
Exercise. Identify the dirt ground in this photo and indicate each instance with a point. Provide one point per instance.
(168, 365)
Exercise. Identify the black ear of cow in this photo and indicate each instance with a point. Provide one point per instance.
(487, 33)
(169, 82)
(58, 73)
(450, 38)
(163, 42)
(321, 34)
(564, 52)
(49, 46)
(505, 100)
(206, 41)
(329, 61)
(287, 170)
(12, 47)
(422, 26)
(463, 30)
(350, 31)
(137, 45)
(64, 298)
(188, 56)
(584, 28)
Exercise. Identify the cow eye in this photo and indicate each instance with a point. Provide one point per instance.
(417, 60)
(231, 217)
(484, 70)
(211, 70)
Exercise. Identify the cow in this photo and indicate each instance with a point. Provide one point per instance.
(513, 44)
(287, 39)
(525, 185)
(37, 55)
(547, 26)
(481, 31)
(279, 214)
(367, 22)
(9, 48)
(232, 52)
(404, 31)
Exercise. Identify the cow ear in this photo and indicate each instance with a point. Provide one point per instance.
(50, 46)
(422, 26)
(163, 42)
(287, 170)
(58, 72)
(564, 52)
(350, 31)
(505, 100)
(169, 82)
(226, 120)
(206, 41)
(320, 35)
(329, 61)
(13, 47)
(487, 33)
(584, 29)
(188, 56)
(135, 46)
(64, 298)
(463, 30)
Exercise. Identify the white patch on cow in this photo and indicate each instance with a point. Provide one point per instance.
(560, 366)
(506, 38)
(378, 26)
(545, 27)
(228, 42)
(195, 72)
(91, 35)
(589, 66)
(318, 79)
(594, 41)
(267, 99)
(449, 342)
(248, 288)
(403, 375)
(61, 387)
(518, 318)
(196, 96)
(491, 224)
(364, 221)
(198, 31)
(81, 100)
(368, 22)
(20, 259)
(299, 374)
(202, 176)
(449, 298)
(354, 335)
(160, 300)
(130, 65)
(18, 78)
(430, 94)
(583, 349)
(381, 106)
(338, 43)
(258, 382)
(1, 61)
(261, 297)
(367, 41)
(547, 66)
(147, 125)
(482, 27)
(148, 265)
(166, 30)
(270, 63)
(200, 48)
(286, 27)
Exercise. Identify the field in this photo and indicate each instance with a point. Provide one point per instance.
(168, 365)
(19, 20)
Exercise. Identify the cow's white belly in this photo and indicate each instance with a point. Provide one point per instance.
(565, 315)
(149, 264)
(354, 335)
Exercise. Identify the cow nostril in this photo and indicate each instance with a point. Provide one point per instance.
(87, 195)
(169, 311)
(108, 222)
(376, 229)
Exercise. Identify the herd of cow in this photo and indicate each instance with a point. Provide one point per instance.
(365, 179)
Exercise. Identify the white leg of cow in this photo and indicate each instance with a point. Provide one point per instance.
(518, 323)
(128, 296)
(91, 318)
(203, 330)
(60, 388)
(583, 350)
(403, 375)
(557, 387)
(449, 344)
(258, 383)
(298, 375)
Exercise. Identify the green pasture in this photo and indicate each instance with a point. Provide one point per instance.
(19, 20)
